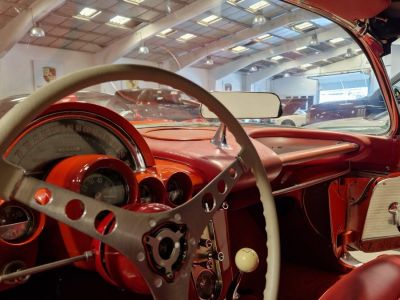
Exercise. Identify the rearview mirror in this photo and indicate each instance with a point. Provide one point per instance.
(246, 105)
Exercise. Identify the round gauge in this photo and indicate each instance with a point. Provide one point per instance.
(146, 195)
(151, 190)
(58, 139)
(206, 284)
(179, 188)
(16, 223)
(176, 194)
(106, 185)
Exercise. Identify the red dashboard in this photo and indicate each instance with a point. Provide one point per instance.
(92, 151)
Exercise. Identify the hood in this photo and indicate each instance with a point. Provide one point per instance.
(380, 18)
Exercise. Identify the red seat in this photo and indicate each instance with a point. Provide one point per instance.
(377, 279)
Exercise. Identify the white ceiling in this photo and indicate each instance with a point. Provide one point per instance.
(95, 36)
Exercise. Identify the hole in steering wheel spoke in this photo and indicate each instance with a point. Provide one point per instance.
(75, 209)
(232, 173)
(222, 187)
(105, 222)
(208, 202)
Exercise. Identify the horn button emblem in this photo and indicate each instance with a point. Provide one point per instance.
(166, 249)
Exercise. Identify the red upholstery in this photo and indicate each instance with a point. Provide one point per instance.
(376, 280)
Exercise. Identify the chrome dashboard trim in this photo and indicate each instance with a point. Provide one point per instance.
(310, 183)
(318, 152)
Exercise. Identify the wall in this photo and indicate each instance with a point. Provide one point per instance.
(294, 86)
(235, 79)
(16, 67)
(198, 76)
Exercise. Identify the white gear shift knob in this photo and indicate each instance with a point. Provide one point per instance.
(246, 260)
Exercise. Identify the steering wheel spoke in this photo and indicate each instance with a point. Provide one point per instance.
(198, 212)
(77, 211)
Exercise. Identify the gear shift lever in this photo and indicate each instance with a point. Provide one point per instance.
(246, 260)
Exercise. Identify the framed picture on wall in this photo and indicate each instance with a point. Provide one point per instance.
(45, 71)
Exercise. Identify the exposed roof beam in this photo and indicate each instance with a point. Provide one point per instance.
(128, 43)
(226, 69)
(241, 36)
(21, 24)
(271, 71)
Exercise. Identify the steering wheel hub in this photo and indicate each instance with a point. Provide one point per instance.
(166, 249)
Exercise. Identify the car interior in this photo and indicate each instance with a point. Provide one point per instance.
(134, 181)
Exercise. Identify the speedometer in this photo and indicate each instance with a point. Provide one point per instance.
(59, 138)
(105, 185)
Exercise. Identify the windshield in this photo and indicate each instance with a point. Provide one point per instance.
(322, 77)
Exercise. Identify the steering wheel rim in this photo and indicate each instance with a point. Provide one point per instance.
(13, 179)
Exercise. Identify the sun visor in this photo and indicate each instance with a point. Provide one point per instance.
(351, 10)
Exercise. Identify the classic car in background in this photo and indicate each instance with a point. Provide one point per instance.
(96, 205)
(298, 118)
(159, 104)
(364, 107)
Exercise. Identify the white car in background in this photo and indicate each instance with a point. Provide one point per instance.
(297, 119)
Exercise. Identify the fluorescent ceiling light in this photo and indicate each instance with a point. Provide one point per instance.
(278, 57)
(234, 2)
(301, 48)
(166, 32)
(185, 37)
(305, 66)
(209, 20)
(257, 6)
(239, 49)
(136, 2)
(336, 40)
(119, 20)
(304, 26)
(263, 37)
(358, 50)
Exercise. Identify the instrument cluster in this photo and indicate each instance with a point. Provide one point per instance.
(99, 155)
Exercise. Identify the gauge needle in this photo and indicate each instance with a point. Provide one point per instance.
(9, 230)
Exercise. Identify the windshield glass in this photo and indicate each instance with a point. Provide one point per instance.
(322, 77)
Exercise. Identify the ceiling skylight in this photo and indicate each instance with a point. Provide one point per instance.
(276, 58)
(304, 26)
(234, 2)
(119, 20)
(87, 13)
(166, 32)
(301, 48)
(136, 2)
(263, 37)
(239, 49)
(185, 37)
(209, 20)
(336, 40)
(258, 6)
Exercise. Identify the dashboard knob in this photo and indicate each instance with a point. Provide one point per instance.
(246, 260)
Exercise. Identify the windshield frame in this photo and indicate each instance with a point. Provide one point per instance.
(373, 51)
